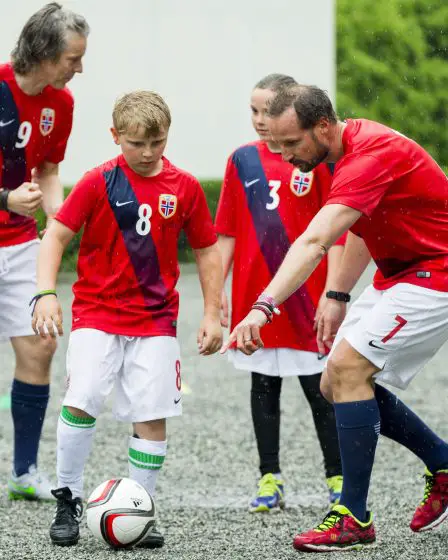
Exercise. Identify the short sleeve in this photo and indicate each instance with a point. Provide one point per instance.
(81, 201)
(225, 221)
(198, 224)
(360, 182)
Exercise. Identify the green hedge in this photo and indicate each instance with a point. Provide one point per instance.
(211, 188)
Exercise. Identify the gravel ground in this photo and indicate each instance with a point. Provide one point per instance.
(211, 468)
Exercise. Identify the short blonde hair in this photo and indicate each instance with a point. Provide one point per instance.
(141, 109)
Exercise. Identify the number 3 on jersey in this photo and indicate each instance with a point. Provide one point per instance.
(143, 225)
(275, 197)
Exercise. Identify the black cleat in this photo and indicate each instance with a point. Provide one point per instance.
(154, 539)
(64, 529)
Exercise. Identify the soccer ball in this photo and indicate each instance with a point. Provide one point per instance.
(120, 512)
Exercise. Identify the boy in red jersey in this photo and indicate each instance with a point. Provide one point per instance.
(133, 209)
(392, 195)
(265, 204)
(36, 111)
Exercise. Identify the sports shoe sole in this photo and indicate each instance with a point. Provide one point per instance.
(434, 524)
(12, 495)
(335, 548)
(65, 542)
(266, 509)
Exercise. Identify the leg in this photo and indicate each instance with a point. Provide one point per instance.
(265, 408)
(30, 388)
(29, 399)
(324, 420)
(325, 423)
(148, 393)
(400, 424)
(75, 434)
(93, 360)
(147, 450)
(358, 423)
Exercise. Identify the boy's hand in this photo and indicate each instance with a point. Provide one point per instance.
(47, 315)
(209, 335)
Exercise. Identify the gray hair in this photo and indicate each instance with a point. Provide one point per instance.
(44, 36)
(310, 103)
(275, 82)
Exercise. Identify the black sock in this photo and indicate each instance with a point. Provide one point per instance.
(402, 425)
(324, 420)
(265, 407)
(28, 406)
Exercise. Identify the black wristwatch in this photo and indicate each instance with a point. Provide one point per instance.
(4, 193)
(338, 296)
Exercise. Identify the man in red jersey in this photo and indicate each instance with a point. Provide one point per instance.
(265, 204)
(35, 122)
(133, 209)
(392, 196)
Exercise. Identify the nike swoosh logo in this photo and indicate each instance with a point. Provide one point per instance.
(371, 343)
(6, 123)
(177, 400)
(248, 184)
(321, 356)
(123, 203)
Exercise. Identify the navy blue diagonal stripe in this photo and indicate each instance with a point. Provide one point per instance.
(270, 231)
(141, 248)
(14, 158)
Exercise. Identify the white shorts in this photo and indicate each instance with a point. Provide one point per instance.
(399, 330)
(145, 372)
(279, 362)
(17, 287)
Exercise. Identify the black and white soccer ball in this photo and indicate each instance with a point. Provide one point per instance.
(120, 512)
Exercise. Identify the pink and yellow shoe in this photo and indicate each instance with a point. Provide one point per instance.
(340, 530)
(434, 507)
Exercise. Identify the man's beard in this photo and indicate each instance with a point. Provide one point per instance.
(307, 166)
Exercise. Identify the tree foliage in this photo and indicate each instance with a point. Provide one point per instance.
(392, 66)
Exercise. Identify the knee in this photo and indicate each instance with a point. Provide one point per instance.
(33, 359)
(342, 372)
(154, 430)
(325, 388)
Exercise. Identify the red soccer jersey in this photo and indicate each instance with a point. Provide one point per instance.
(403, 195)
(127, 264)
(33, 129)
(266, 204)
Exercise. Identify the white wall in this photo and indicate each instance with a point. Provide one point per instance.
(203, 56)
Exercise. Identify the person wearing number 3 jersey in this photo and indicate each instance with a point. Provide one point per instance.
(265, 204)
(392, 196)
(36, 111)
(125, 306)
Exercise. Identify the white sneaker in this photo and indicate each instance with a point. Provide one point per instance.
(33, 485)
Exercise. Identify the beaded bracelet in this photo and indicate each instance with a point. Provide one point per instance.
(264, 310)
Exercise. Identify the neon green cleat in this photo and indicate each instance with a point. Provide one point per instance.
(334, 484)
(32, 485)
(270, 495)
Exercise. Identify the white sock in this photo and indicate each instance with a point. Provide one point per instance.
(75, 437)
(145, 461)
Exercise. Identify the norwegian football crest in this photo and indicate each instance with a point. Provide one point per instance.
(46, 124)
(301, 182)
(167, 205)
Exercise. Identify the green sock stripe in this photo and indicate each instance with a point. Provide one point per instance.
(68, 418)
(145, 460)
(144, 465)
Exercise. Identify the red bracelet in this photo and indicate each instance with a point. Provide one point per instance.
(264, 310)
